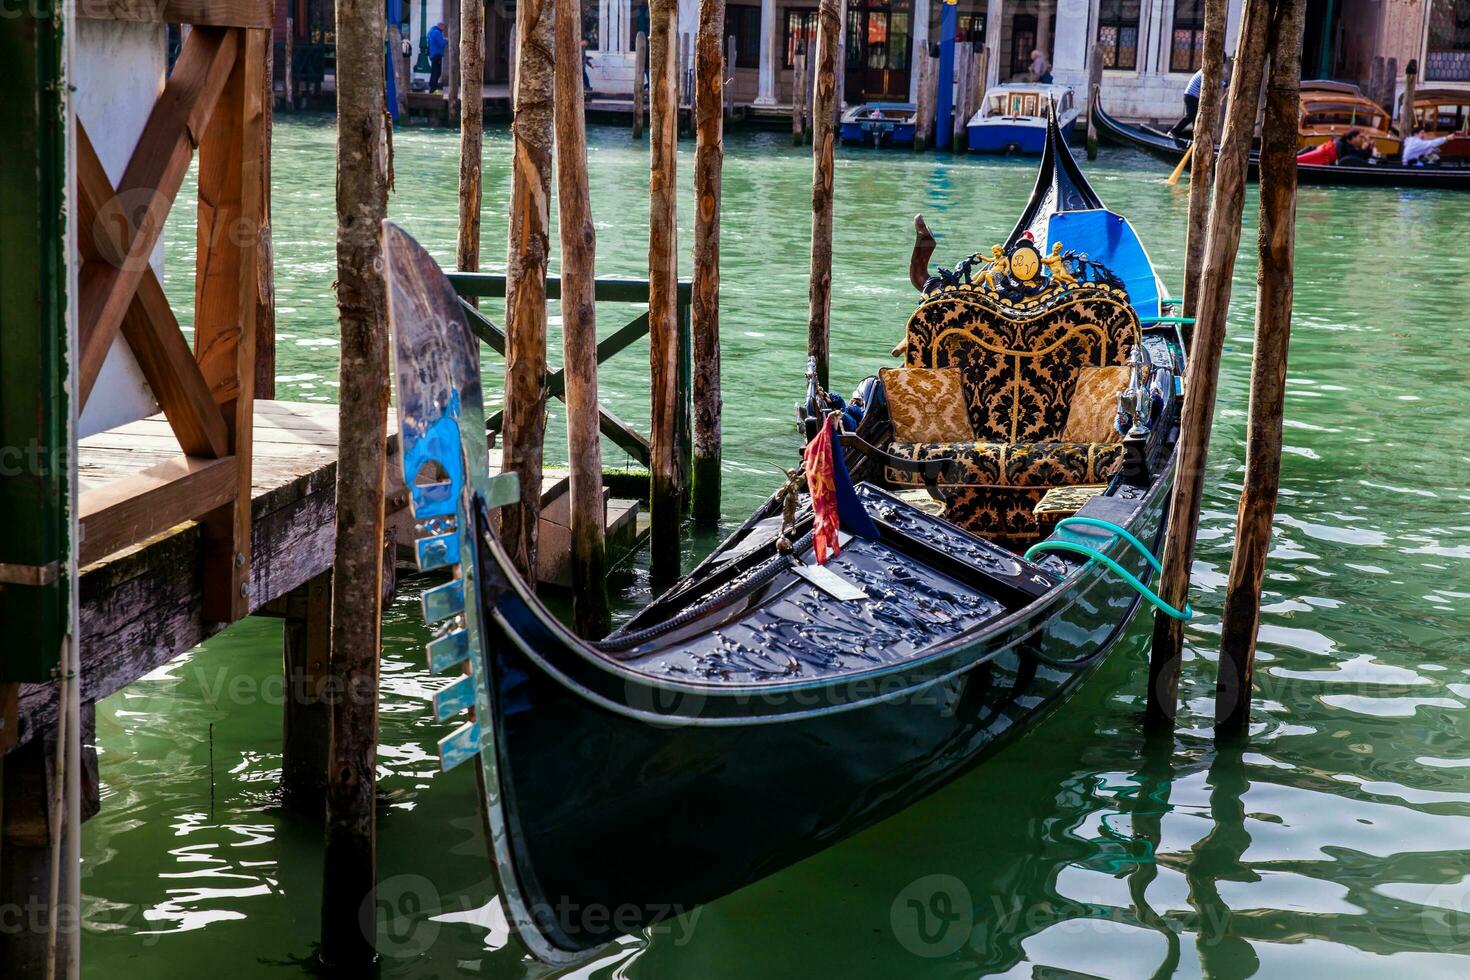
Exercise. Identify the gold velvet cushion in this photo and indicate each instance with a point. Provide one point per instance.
(926, 404)
(1095, 404)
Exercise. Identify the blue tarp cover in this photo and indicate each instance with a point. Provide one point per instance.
(1108, 238)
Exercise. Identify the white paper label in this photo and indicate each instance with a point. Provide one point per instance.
(830, 582)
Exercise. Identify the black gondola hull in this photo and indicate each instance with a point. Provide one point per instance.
(1442, 177)
(614, 822)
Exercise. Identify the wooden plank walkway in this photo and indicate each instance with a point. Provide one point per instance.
(141, 606)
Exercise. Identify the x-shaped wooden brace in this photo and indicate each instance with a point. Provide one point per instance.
(117, 229)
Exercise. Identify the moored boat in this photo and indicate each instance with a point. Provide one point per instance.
(971, 536)
(1012, 117)
(1446, 175)
(1329, 109)
(880, 124)
(1445, 112)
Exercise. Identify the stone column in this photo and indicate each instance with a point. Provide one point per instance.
(1070, 47)
(1043, 27)
(921, 45)
(604, 24)
(766, 89)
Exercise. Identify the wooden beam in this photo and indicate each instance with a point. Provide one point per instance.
(132, 221)
(588, 510)
(709, 162)
(306, 723)
(198, 13)
(525, 281)
(349, 865)
(663, 277)
(1094, 94)
(124, 512)
(265, 261)
(640, 69)
(1203, 378)
(226, 291)
(1202, 167)
(472, 134)
(824, 140)
(150, 328)
(172, 373)
(1274, 282)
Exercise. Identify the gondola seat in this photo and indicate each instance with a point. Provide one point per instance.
(1039, 378)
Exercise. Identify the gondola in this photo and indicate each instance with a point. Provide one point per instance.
(1445, 176)
(769, 705)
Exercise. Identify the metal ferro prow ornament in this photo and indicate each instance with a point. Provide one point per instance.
(441, 426)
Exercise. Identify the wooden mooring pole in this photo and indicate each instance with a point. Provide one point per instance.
(349, 867)
(1406, 109)
(663, 291)
(709, 160)
(924, 116)
(306, 722)
(450, 68)
(1094, 95)
(729, 74)
(590, 609)
(1222, 241)
(798, 98)
(1274, 279)
(640, 70)
(1202, 166)
(525, 281)
(471, 134)
(824, 140)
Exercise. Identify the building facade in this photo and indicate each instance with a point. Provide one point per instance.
(1150, 48)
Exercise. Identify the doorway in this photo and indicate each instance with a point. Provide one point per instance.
(879, 44)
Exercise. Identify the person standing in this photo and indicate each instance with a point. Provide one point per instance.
(438, 44)
(1191, 104)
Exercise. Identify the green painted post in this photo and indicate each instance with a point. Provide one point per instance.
(422, 66)
(34, 568)
(1325, 55)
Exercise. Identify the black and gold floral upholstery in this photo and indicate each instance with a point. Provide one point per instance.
(1021, 360)
(1021, 363)
(993, 488)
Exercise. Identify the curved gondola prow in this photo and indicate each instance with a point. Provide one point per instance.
(1060, 185)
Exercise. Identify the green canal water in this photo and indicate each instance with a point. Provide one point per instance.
(1331, 843)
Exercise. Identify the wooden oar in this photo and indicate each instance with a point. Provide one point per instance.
(1179, 169)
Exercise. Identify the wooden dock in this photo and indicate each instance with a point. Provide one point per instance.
(142, 606)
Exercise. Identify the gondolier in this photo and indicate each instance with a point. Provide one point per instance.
(1191, 104)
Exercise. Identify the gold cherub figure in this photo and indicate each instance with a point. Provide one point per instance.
(1056, 266)
(996, 265)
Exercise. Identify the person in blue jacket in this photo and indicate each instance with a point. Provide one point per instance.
(438, 44)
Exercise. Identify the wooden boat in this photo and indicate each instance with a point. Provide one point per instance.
(767, 706)
(1012, 117)
(1447, 175)
(1329, 109)
(1445, 112)
(880, 123)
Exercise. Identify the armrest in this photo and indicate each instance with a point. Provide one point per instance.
(929, 470)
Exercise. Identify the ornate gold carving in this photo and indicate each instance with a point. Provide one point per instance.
(1056, 267)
